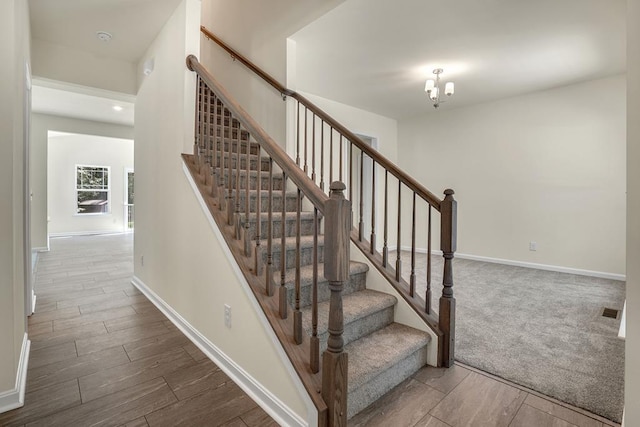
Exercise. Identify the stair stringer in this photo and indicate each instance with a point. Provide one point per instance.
(403, 312)
(267, 400)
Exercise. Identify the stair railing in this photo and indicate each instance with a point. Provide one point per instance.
(229, 147)
(322, 140)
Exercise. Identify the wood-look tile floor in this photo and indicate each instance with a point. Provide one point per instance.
(464, 396)
(102, 354)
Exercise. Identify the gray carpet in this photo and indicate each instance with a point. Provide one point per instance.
(540, 329)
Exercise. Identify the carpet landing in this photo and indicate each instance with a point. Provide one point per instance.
(543, 330)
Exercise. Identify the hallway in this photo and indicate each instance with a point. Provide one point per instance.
(102, 354)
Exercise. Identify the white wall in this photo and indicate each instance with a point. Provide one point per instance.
(14, 54)
(384, 131)
(546, 167)
(41, 124)
(64, 153)
(258, 30)
(184, 263)
(632, 356)
(58, 62)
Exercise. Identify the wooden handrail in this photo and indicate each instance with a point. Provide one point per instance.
(307, 186)
(378, 158)
(250, 65)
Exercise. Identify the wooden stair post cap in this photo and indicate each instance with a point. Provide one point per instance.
(337, 186)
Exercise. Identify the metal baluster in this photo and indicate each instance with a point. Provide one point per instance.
(258, 252)
(385, 247)
(297, 315)
(205, 139)
(322, 155)
(236, 217)
(340, 170)
(398, 261)
(306, 132)
(247, 208)
(198, 124)
(298, 136)
(427, 298)
(269, 269)
(331, 154)
(361, 207)
(214, 148)
(219, 155)
(231, 198)
(283, 252)
(313, 148)
(372, 245)
(412, 278)
(350, 171)
(315, 341)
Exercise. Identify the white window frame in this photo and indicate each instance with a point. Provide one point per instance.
(125, 202)
(108, 190)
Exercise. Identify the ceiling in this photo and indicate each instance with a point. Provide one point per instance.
(377, 54)
(61, 99)
(134, 24)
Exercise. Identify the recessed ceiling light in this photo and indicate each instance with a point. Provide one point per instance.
(104, 36)
(117, 108)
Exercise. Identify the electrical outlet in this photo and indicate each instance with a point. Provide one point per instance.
(227, 316)
(533, 246)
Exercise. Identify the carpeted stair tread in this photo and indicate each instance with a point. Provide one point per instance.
(277, 216)
(380, 350)
(306, 274)
(290, 243)
(364, 311)
(355, 306)
(380, 361)
(265, 194)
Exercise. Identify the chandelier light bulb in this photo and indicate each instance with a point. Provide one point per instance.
(448, 89)
(434, 94)
(429, 85)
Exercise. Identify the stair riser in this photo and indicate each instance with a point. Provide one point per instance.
(356, 282)
(360, 327)
(306, 227)
(253, 162)
(371, 391)
(234, 146)
(306, 256)
(216, 128)
(253, 181)
(290, 205)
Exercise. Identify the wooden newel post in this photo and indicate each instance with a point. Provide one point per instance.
(336, 271)
(447, 320)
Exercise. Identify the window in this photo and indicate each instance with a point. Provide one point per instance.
(128, 203)
(92, 189)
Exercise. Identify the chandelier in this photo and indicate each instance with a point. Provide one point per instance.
(432, 87)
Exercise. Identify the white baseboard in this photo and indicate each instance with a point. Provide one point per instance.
(13, 399)
(269, 402)
(40, 249)
(86, 233)
(546, 267)
(559, 269)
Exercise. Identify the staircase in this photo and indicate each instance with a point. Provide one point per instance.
(292, 242)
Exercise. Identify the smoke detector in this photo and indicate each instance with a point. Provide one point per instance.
(104, 36)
